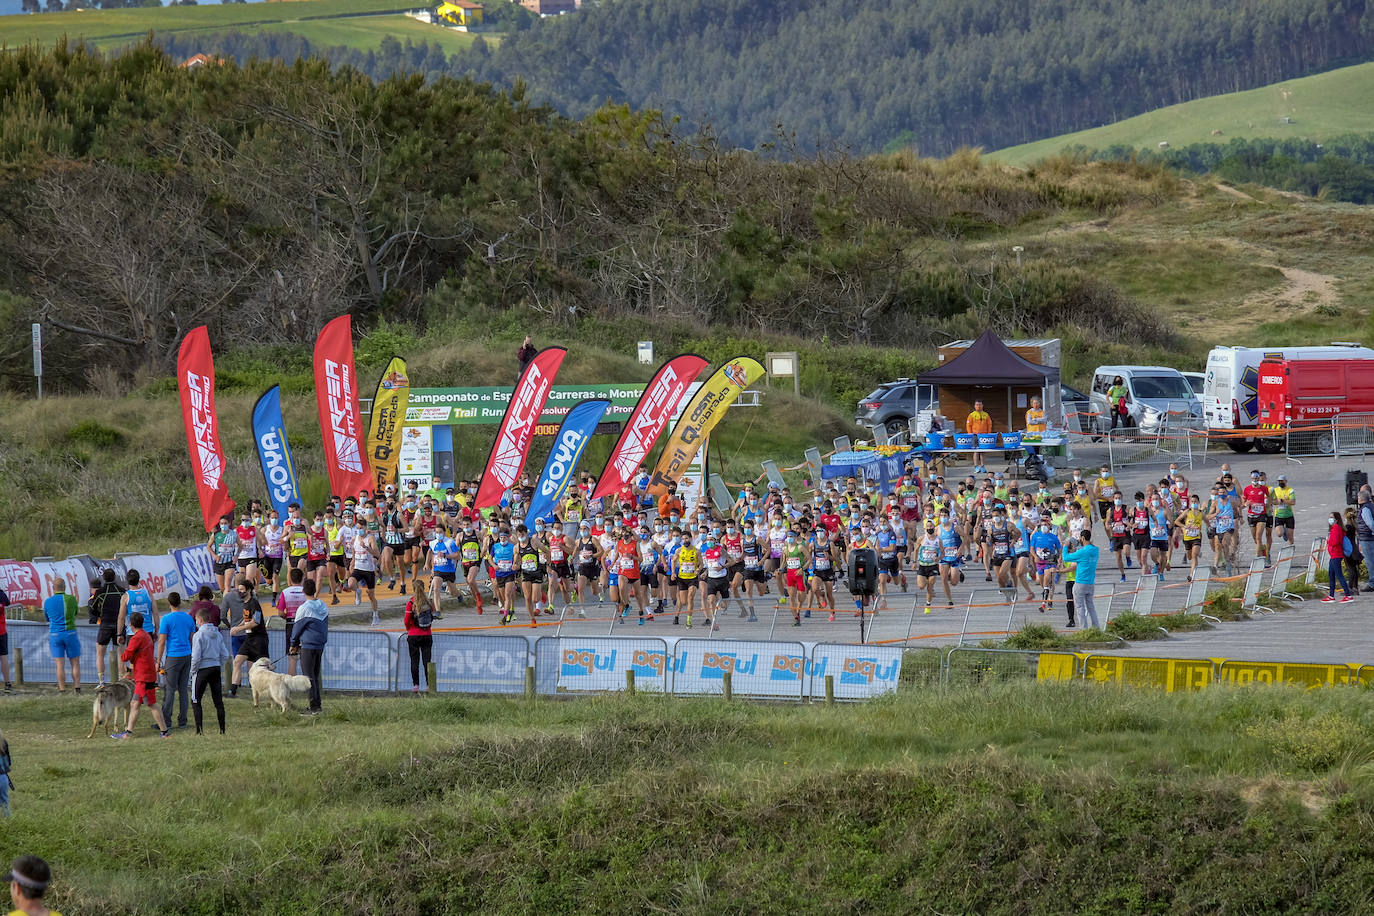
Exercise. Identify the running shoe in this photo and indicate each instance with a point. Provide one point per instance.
(675, 620)
(832, 616)
(1347, 599)
(121, 736)
(403, 591)
(927, 610)
(689, 621)
(1329, 599)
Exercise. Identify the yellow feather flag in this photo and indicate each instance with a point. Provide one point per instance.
(384, 428)
(699, 417)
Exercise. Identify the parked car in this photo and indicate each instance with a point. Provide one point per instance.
(1196, 381)
(1153, 393)
(890, 407)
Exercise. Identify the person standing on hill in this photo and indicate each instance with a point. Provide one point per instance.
(105, 605)
(63, 643)
(174, 634)
(308, 639)
(1117, 396)
(141, 666)
(526, 353)
(207, 660)
(979, 421)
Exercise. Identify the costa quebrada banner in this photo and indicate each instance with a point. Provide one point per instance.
(384, 427)
(699, 417)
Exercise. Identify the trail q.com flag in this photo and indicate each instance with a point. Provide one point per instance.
(699, 417)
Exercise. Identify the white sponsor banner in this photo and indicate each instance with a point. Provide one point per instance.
(860, 672)
(72, 574)
(699, 666)
(417, 455)
(601, 663)
(159, 573)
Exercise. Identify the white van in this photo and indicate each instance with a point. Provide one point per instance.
(1230, 399)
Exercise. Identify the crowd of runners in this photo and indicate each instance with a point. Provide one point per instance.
(653, 559)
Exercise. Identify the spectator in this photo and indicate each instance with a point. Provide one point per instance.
(419, 620)
(526, 353)
(105, 605)
(1117, 399)
(174, 634)
(207, 660)
(1085, 577)
(29, 879)
(205, 601)
(1355, 556)
(979, 421)
(1035, 417)
(5, 642)
(5, 783)
(63, 643)
(249, 624)
(139, 662)
(1364, 530)
(1337, 547)
(308, 639)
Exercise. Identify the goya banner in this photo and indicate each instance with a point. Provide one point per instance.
(658, 403)
(196, 382)
(572, 437)
(384, 427)
(336, 393)
(699, 417)
(274, 453)
(512, 445)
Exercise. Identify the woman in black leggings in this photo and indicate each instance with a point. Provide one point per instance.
(419, 633)
(207, 659)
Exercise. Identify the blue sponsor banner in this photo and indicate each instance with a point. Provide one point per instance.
(593, 663)
(470, 664)
(196, 568)
(577, 429)
(274, 454)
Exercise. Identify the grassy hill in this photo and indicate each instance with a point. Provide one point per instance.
(357, 24)
(1324, 105)
(1016, 798)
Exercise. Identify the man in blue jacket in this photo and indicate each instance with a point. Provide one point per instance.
(309, 634)
(1085, 576)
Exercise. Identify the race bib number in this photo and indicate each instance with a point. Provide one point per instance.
(687, 569)
(530, 564)
(556, 554)
(504, 565)
(627, 563)
(1108, 492)
(1192, 532)
(1255, 509)
(927, 555)
(821, 562)
(910, 502)
(794, 562)
(470, 553)
(751, 562)
(999, 552)
(1118, 529)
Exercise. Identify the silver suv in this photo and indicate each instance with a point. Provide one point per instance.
(1156, 396)
(890, 407)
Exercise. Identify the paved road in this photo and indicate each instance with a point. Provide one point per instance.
(1311, 632)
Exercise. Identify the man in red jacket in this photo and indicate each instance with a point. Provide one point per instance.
(140, 665)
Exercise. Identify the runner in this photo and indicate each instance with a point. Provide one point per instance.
(501, 555)
(626, 560)
(1117, 523)
(716, 588)
(1283, 502)
(1161, 524)
(1104, 494)
(223, 548)
(470, 550)
(794, 574)
(754, 578)
(950, 557)
(288, 602)
(999, 548)
(533, 558)
(1045, 550)
(889, 566)
(823, 560)
(1190, 523)
(137, 599)
(1222, 515)
(928, 566)
(650, 564)
(1140, 530)
(686, 566)
(316, 554)
(362, 573)
(1259, 514)
(588, 567)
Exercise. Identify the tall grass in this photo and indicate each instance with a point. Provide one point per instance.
(1009, 798)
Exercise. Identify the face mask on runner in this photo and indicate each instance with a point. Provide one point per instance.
(223, 526)
(674, 517)
(1116, 502)
(1196, 504)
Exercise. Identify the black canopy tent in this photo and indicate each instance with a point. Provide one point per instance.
(990, 372)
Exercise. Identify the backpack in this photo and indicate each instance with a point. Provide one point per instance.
(424, 615)
(1346, 548)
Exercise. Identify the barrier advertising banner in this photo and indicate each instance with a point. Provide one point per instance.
(659, 402)
(576, 664)
(274, 454)
(196, 382)
(471, 664)
(384, 426)
(19, 580)
(860, 672)
(512, 445)
(699, 417)
(760, 668)
(196, 567)
(577, 430)
(336, 393)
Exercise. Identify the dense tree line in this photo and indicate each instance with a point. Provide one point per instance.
(873, 74)
(1339, 168)
(139, 199)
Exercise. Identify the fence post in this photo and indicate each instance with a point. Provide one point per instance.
(727, 687)
(431, 669)
(113, 657)
(529, 681)
(19, 666)
(830, 690)
(630, 681)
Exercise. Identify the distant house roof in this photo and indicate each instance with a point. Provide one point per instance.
(200, 60)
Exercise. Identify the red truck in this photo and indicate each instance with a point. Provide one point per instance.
(1298, 390)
